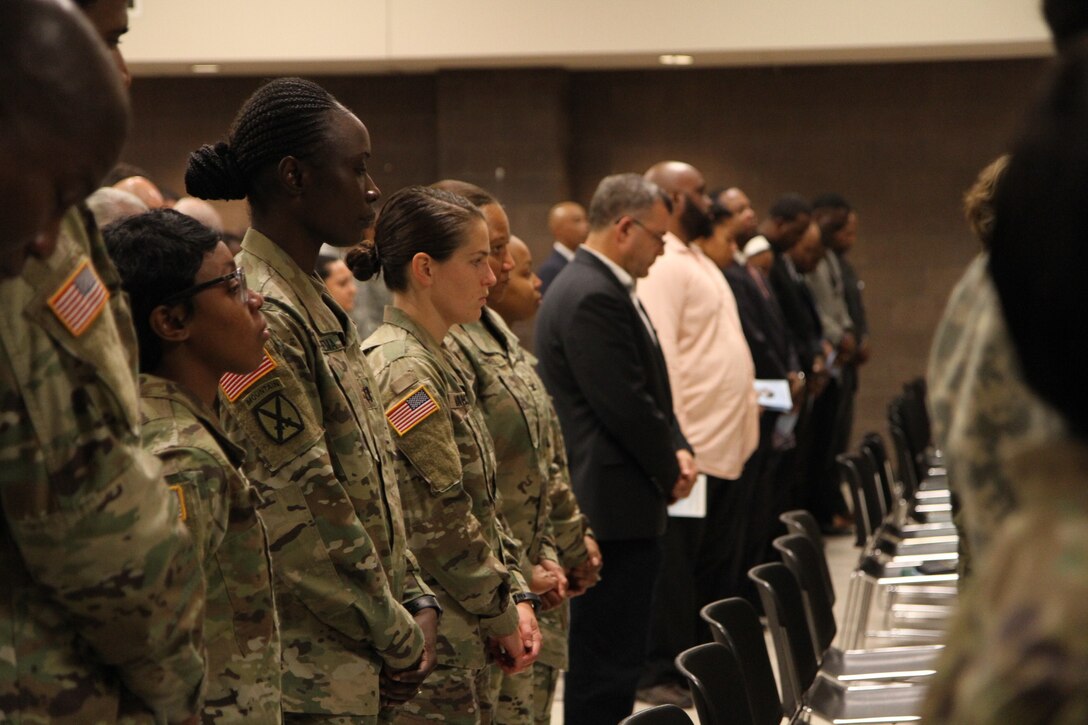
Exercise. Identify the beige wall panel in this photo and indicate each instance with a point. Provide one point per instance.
(255, 36)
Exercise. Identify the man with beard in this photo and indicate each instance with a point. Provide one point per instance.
(711, 372)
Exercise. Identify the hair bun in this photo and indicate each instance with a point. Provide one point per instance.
(213, 173)
(364, 261)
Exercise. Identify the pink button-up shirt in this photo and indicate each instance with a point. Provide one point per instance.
(710, 366)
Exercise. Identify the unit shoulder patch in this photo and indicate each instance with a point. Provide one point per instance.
(278, 418)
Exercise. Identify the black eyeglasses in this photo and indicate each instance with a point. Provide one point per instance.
(242, 293)
(660, 237)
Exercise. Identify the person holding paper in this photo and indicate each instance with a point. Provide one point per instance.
(600, 360)
(712, 373)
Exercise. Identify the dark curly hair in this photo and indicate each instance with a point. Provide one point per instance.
(157, 254)
(284, 117)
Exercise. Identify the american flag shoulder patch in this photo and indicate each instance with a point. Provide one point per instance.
(233, 385)
(80, 300)
(412, 410)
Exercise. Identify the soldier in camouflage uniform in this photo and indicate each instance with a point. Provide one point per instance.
(433, 247)
(1017, 650)
(982, 412)
(517, 411)
(102, 598)
(566, 528)
(196, 321)
(350, 603)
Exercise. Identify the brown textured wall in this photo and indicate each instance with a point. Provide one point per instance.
(901, 141)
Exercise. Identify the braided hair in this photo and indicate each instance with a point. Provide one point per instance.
(284, 117)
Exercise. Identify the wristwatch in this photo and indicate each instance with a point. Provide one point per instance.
(427, 601)
(533, 599)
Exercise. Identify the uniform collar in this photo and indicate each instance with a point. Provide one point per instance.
(398, 318)
(490, 333)
(307, 286)
(156, 388)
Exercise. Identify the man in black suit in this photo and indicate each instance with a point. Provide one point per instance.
(819, 489)
(600, 360)
(567, 222)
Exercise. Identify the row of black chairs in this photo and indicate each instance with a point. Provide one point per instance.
(909, 548)
(907, 564)
(733, 683)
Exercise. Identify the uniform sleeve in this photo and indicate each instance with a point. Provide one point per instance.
(321, 550)
(446, 537)
(514, 555)
(114, 554)
(567, 523)
(414, 586)
(201, 486)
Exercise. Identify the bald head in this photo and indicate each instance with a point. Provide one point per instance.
(568, 224)
(109, 205)
(63, 118)
(686, 187)
(143, 189)
(200, 210)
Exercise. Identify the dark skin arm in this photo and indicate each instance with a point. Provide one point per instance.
(400, 686)
(585, 575)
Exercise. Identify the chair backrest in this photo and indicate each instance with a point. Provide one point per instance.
(660, 715)
(785, 609)
(878, 512)
(872, 445)
(917, 414)
(716, 683)
(800, 557)
(906, 465)
(848, 474)
(735, 624)
(802, 522)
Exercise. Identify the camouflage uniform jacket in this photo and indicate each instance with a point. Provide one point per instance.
(523, 424)
(446, 467)
(1017, 650)
(200, 466)
(101, 597)
(515, 408)
(319, 451)
(983, 414)
(569, 526)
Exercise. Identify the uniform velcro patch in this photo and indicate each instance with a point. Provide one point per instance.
(412, 410)
(234, 385)
(80, 300)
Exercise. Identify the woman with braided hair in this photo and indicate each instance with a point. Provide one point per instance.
(358, 624)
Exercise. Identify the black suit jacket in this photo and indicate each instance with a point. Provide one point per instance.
(852, 288)
(764, 326)
(549, 268)
(608, 379)
(799, 309)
